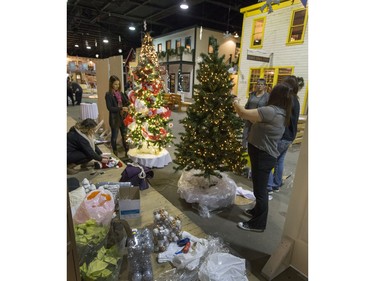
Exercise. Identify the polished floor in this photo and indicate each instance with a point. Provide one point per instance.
(256, 248)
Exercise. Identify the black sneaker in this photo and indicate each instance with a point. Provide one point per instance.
(276, 189)
(245, 226)
(248, 213)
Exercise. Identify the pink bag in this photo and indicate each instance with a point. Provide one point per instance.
(98, 205)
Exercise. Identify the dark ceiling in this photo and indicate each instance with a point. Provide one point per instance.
(92, 20)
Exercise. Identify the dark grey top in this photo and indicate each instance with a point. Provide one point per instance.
(265, 134)
(252, 103)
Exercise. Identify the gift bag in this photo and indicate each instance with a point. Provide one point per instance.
(137, 174)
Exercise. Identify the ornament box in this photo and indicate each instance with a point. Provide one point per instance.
(129, 202)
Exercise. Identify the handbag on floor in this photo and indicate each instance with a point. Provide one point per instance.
(137, 174)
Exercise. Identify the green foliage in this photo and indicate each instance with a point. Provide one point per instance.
(162, 54)
(103, 266)
(211, 142)
(89, 232)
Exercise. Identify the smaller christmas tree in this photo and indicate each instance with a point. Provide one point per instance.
(148, 120)
(211, 141)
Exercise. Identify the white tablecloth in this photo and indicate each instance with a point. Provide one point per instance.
(150, 160)
(89, 110)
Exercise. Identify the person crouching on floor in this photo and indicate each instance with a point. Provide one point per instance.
(81, 147)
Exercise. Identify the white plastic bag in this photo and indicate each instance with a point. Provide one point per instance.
(191, 259)
(98, 205)
(223, 266)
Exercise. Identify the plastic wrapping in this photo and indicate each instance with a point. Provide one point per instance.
(90, 237)
(191, 259)
(114, 188)
(98, 205)
(140, 248)
(197, 190)
(223, 266)
(76, 197)
(167, 229)
(184, 271)
(87, 185)
(104, 267)
(178, 275)
(119, 232)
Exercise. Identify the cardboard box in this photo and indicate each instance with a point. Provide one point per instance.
(129, 202)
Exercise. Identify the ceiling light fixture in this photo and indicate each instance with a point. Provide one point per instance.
(184, 5)
(105, 40)
(236, 35)
(97, 55)
(227, 34)
(120, 50)
(76, 45)
(132, 27)
(87, 45)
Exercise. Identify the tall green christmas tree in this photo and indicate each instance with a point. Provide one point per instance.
(148, 120)
(211, 141)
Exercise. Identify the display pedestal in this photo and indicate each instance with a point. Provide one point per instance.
(159, 160)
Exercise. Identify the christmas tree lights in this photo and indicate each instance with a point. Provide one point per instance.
(148, 120)
(211, 142)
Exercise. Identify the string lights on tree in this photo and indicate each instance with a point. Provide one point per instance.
(148, 120)
(211, 142)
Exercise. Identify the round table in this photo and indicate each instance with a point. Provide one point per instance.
(150, 160)
(89, 110)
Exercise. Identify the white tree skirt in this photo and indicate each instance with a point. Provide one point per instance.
(196, 190)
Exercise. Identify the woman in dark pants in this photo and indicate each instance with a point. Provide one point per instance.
(81, 147)
(117, 105)
(268, 127)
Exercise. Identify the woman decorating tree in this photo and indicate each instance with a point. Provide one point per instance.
(268, 127)
(117, 105)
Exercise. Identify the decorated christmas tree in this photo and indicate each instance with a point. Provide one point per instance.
(211, 141)
(148, 120)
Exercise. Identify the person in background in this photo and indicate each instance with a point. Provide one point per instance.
(268, 127)
(81, 147)
(77, 90)
(118, 105)
(256, 99)
(70, 91)
(275, 180)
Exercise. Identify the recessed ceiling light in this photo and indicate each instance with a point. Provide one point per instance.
(105, 40)
(184, 5)
(120, 50)
(88, 47)
(76, 45)
(97, 55)
(132, 27)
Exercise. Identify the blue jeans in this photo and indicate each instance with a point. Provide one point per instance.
(275, 180)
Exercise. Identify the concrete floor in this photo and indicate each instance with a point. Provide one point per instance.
(256, 248)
